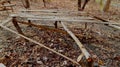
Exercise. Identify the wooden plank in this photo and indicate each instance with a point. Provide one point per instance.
(82, 48)
(42, 45)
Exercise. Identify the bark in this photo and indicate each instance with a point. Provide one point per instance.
(107, 5)
(26, 3)
(79, 5)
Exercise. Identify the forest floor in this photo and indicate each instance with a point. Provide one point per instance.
(101, 41)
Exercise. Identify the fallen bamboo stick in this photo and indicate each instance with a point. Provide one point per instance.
(70, 20)
(9, 5)
(26, 15)
(47, 28)
(82, 48)
(44, 27)
(60, 18)
(4, 27)
(80, 57)
(110, 25)
(52, 11)
(4, 1)
(114, 26)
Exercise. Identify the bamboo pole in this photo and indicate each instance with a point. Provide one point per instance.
(73, 20)
(50, 16)
(114, 26)
(82, 48)
(47, 28)
(52, 11)
(60, 18)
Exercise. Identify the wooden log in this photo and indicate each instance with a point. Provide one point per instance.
(42, 45)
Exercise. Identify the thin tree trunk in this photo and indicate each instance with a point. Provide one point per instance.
(26, 3)
(44, 3)
(79, 5)
(86, 1)
(107, 5)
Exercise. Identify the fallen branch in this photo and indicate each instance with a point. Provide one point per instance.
(110, 25)
(114, 26)
(42, 45)
(47, 28)
(82, 48)
(80, 57)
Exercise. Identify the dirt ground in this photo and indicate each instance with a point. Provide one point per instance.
(100, 40)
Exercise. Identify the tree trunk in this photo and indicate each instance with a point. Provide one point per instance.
(79, 5)
(26, 3)
(107, 5)
(44, 3)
